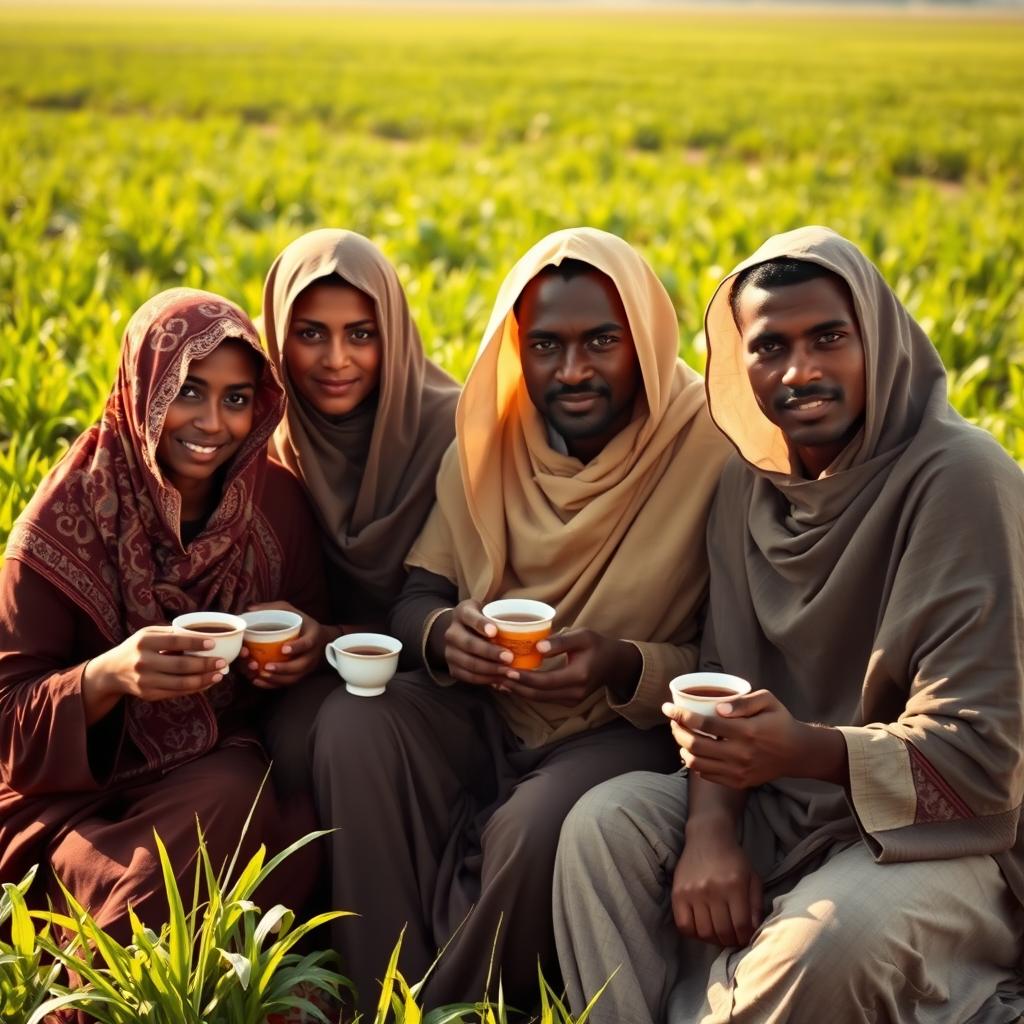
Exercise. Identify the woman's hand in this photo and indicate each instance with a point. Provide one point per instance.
(304, 653)
(464, 639)
(156, 663)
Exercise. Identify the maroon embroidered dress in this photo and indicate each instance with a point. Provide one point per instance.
(97, 556)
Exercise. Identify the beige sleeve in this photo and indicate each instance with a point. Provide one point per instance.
(434, 549)
(661, 663)
(882, 787)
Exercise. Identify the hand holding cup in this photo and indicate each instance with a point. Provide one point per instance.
(590, 661)
(702, 692)
(155, 663)
(744, 739)
(286, 655)
(223, 628)
(469, 647)
(520, 625)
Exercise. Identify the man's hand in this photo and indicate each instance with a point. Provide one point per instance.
(593, 661)
(716, 894)
(304, 653)
(469, 649)
(755, 740)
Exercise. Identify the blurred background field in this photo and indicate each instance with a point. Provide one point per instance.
(141, 149)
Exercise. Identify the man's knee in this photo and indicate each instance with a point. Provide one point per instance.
(593, 818)
(833, 940)
(610, 816)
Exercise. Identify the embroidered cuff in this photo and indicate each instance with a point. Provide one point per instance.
(881, 781)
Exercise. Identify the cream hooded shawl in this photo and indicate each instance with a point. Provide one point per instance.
(885, 597)
(616, 545)
(371, 473)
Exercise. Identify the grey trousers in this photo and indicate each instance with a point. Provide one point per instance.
(448, 828)
(849, 942)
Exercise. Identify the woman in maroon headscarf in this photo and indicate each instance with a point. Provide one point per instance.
(111, 726)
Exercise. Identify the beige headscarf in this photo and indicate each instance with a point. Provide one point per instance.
(885, 597)
(615, 545)
(371, 473)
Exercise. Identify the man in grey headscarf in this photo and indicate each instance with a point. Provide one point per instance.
(848, 846)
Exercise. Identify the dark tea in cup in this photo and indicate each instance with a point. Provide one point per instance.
(366, 661)
(223, 628)
(700, 692)
(521, 625)
(716, 692)
(267, 632)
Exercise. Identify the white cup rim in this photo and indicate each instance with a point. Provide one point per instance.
(526, 606)
(184, 623)
(393, 645)
(736, 685)
(264, 614)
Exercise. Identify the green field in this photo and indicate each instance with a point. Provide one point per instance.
(143, 150)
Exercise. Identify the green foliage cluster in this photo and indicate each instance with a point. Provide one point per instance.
(219, 959)
(27, 975)
(224, 962)
(142, 149)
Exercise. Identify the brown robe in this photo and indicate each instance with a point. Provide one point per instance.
(82, 798)
(97, 555)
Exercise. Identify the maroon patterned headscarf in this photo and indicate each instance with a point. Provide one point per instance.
(103, 527)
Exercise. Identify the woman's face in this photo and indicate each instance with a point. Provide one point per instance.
(332, 349)
(211, 416)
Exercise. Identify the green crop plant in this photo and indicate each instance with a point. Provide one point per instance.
(28, 977)
(401, 1003)
(141, 150)
(221, 961)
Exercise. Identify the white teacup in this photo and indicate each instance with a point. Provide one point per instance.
(711, 688)
(224, 630)
(366, 661)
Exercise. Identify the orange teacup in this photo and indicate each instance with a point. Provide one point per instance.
(266, 632)
(521, 626)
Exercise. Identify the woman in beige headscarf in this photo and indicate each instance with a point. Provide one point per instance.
(853, 834)
(368, 419)
(469, 783)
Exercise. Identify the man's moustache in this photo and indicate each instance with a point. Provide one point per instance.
(582, 389)
(811, 392)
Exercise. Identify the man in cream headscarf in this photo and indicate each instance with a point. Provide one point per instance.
(581, 476)
(867, 575)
